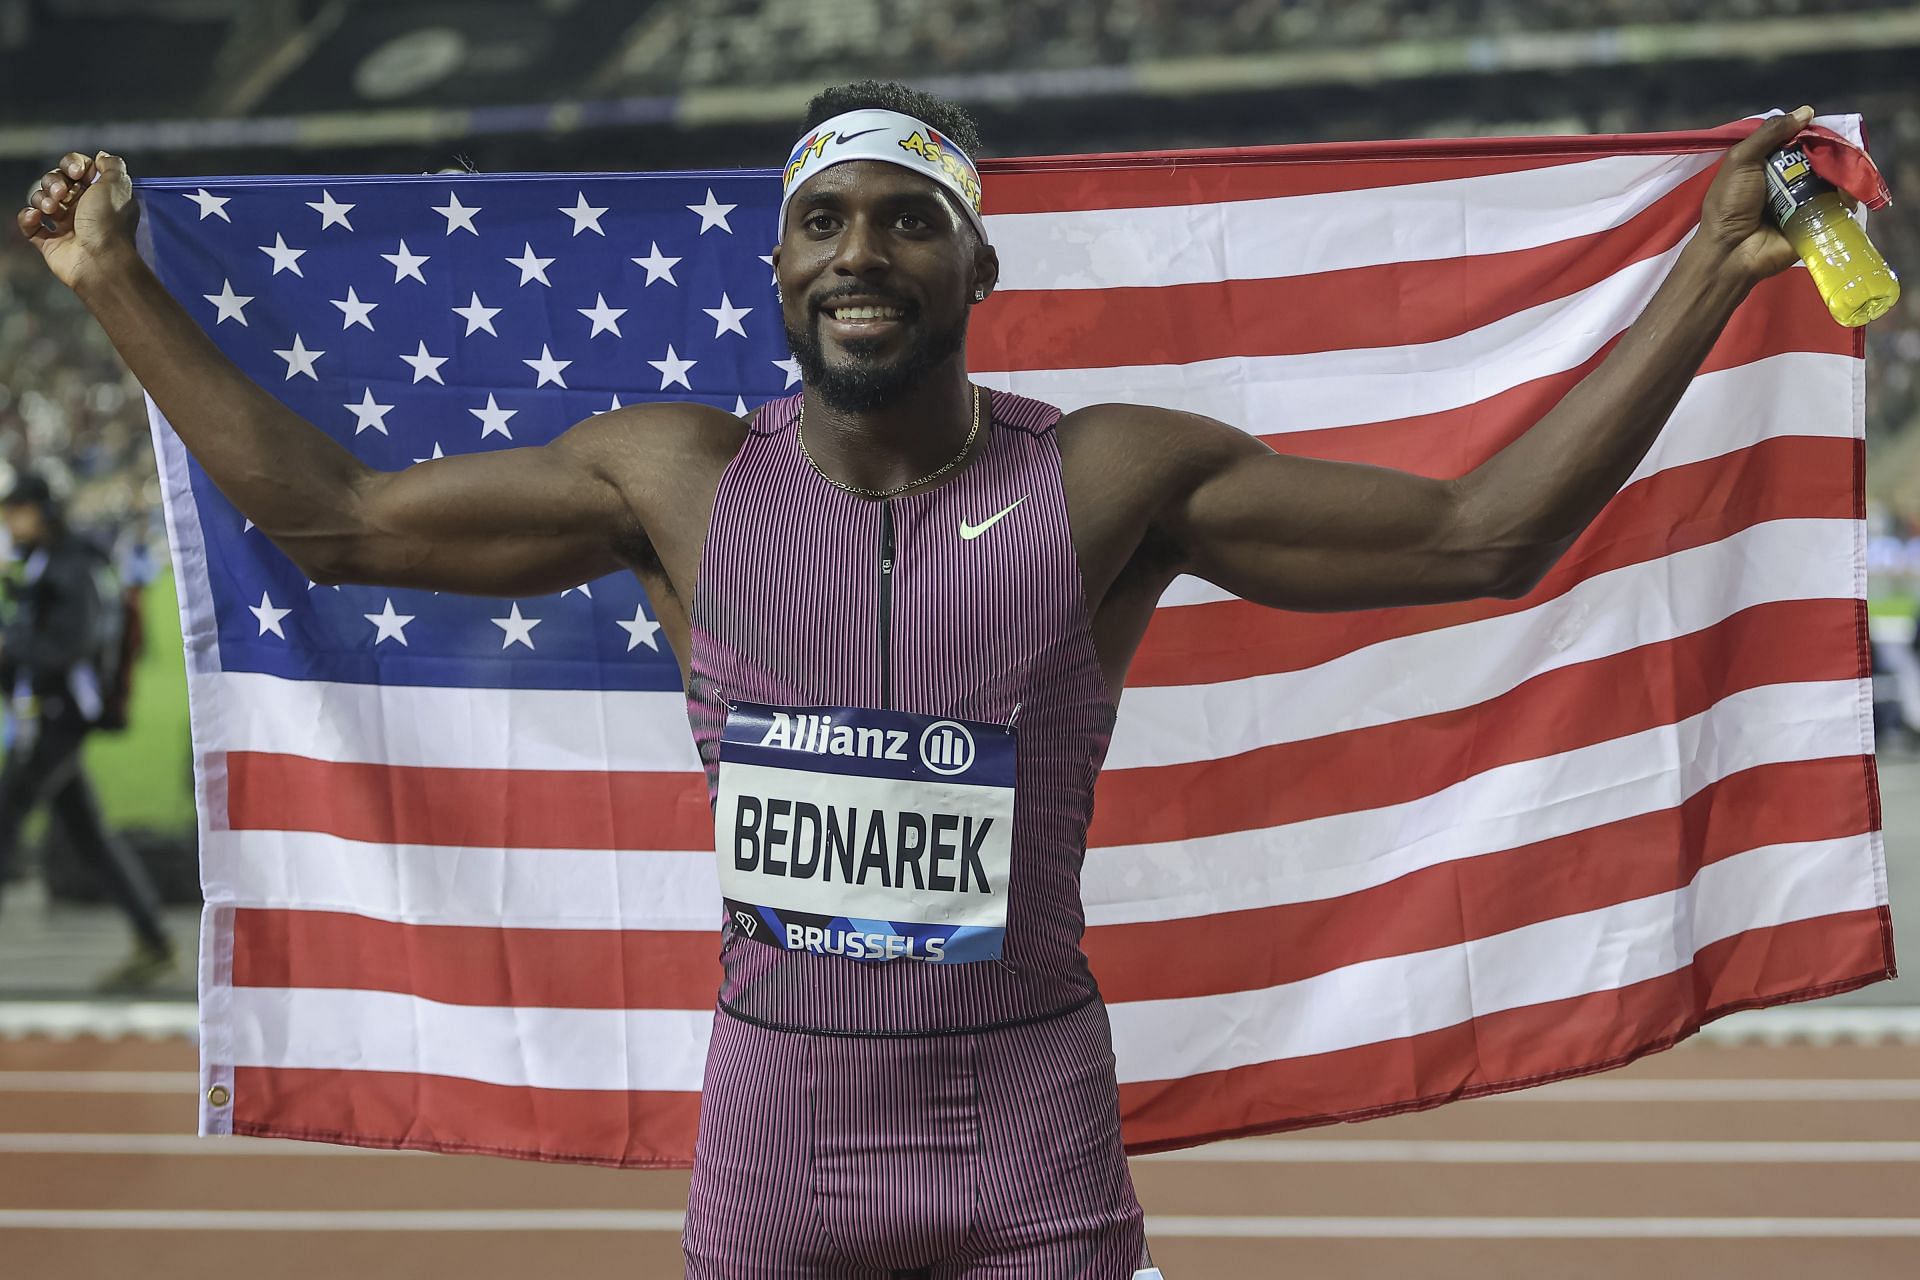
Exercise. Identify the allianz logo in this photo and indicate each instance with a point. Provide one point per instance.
(945, 746)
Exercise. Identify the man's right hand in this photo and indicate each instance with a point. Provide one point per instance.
(81, 217)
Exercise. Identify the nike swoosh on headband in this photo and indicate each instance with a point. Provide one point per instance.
(841, 140)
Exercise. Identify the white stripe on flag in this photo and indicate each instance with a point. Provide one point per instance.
(1502, 808)
(1312, 860)
(344, 1030)
(1266, 394)
(1155, 1040)
(582, 729)
(1276, 237)
(452, 885)
(1721, 412)
(1400, 996)
(1461, 666)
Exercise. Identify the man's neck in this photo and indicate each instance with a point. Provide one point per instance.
(910, 438)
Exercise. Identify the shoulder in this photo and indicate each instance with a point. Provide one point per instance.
(656, 441)
(1167, 446)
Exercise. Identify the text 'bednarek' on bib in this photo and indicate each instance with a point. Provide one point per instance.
(874, 835)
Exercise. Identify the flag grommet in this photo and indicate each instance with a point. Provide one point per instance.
(219, 1096)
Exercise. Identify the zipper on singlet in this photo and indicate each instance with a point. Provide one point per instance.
(886, 605)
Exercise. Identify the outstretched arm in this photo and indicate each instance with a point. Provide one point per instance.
(512, 522)
(1307, 534)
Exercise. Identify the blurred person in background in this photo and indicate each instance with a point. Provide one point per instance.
(60, 654)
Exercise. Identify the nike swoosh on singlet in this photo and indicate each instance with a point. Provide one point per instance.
(972, 531)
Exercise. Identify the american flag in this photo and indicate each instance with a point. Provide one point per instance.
(457, 851)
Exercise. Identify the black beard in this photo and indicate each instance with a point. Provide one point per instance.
(863, 386)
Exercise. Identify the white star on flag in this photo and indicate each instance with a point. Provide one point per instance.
(610, 408)
(353, 311)
(406, 263)
(478, 316)
(605, 319)
(713, 214)
(435, 454)
(368, 414)
(457, 215)
(284, 259)
(792, 368)
(492, 418)
(391, 625)
(739, 406)
(331, 211)
(210, 204)
(532, 267)
(727, 317)
(299, 359)
(548, 368)
(519, 630)
(585, 216)
(232, 305)
(585, 589)
(640, 631)
(426, 366)
(658, 265)
(268, 616)
(773, 272)
(673, 369)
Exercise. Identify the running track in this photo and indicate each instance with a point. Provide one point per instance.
(1712, 1160)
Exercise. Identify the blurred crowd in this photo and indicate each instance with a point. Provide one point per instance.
(734, 41)
(69, 409)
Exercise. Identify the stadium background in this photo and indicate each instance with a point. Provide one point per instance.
(202, 87)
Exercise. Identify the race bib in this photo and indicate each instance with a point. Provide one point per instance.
(874, 835)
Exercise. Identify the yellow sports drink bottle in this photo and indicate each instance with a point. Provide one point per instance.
(1853, 279)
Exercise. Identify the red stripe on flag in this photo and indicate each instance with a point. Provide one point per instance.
(1155, 179)
(1449, 904)
(1452, 442)
(1497, 1052)
(404, 1110)
(483, 808)
(1297, 315)
(1222, 952)
(472, 965)
(1643, 688)
(1790, 477)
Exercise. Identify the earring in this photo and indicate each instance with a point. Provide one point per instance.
(776, 294)
(979, 295)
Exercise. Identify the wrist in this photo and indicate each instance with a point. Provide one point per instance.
(106, 273)
(1714, 273)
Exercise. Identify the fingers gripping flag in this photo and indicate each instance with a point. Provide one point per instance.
(457, 852)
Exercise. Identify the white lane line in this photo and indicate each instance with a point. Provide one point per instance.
(1624, 1091)
(186, 1082)
(661, 1220)
(350, 1220)
(1742, 1090)
(1378, 1151)
(175, 1144)
(1246, 1151)
(1530, 1228)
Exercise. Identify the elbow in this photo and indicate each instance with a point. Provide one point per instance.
(1518, 573)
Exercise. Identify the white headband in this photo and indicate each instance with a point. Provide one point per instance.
(877, 134)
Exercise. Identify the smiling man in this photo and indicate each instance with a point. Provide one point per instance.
(904, 608)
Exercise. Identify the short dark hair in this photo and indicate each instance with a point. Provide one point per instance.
(951, 119)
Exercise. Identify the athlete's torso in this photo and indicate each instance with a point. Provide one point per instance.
(792, 608)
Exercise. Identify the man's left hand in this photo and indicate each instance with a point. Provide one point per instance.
(1734, 222)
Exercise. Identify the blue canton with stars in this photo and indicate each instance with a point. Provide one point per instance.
(413, 318)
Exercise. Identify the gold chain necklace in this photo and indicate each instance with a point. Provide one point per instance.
(800, 432)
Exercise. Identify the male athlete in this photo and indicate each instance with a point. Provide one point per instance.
(909, 1074)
